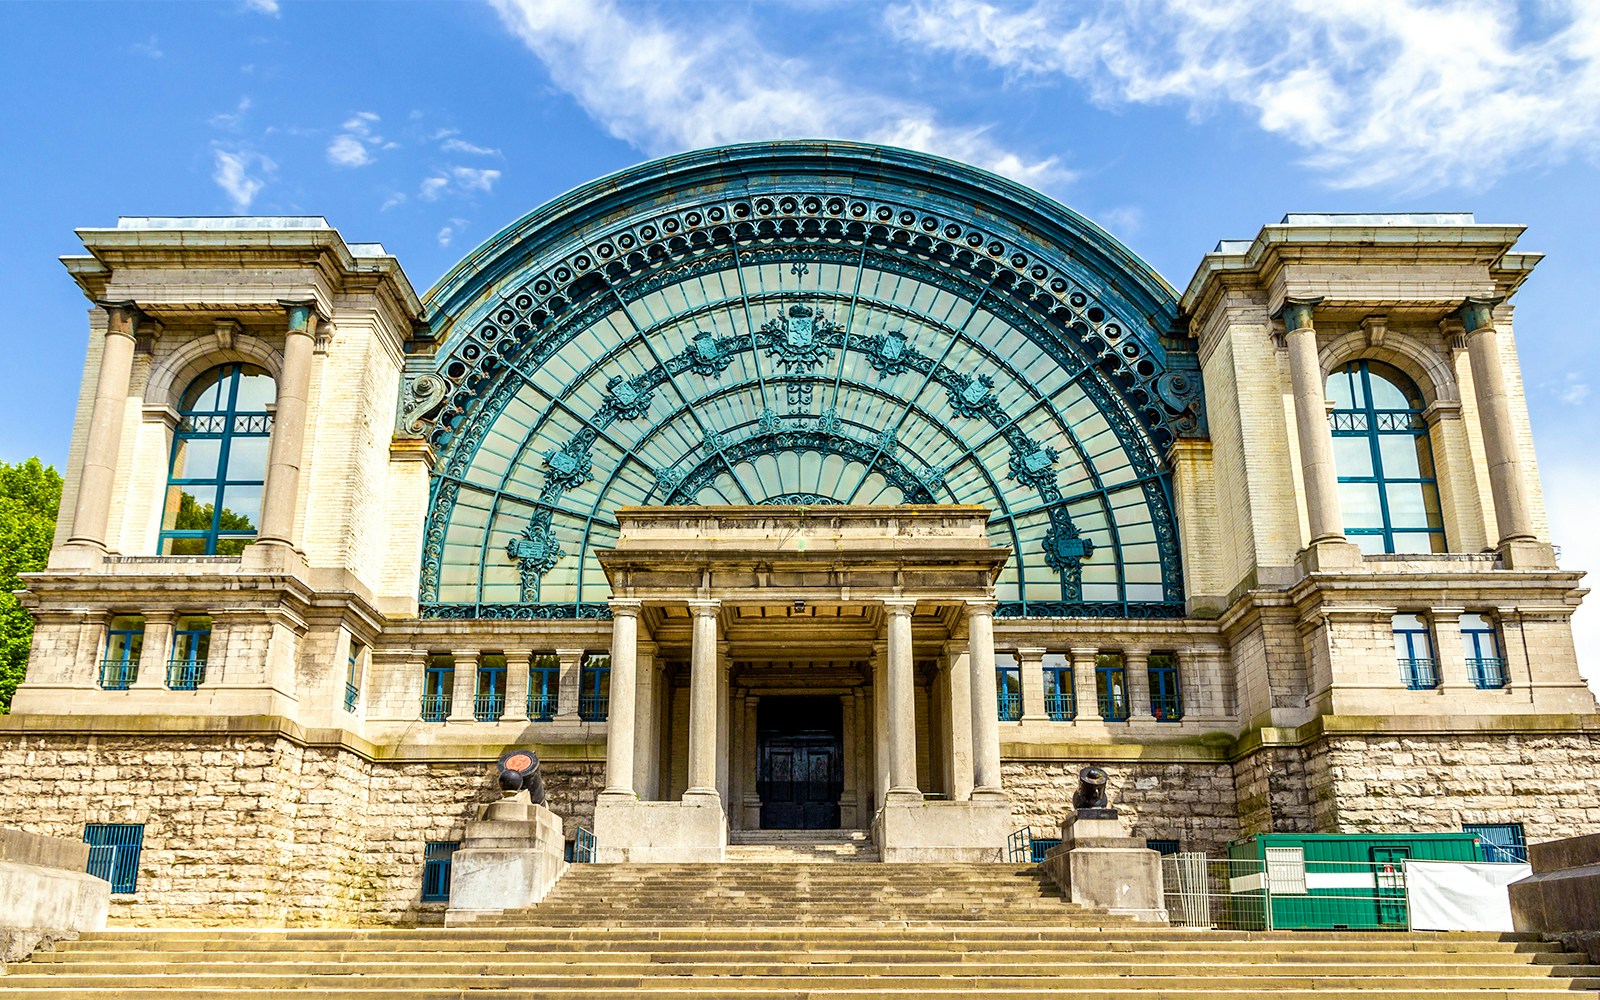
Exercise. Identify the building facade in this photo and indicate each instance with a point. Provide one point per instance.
(790, 485)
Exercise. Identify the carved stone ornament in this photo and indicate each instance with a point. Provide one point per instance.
(419, 399)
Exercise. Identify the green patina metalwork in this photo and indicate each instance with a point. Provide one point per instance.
(801, 323)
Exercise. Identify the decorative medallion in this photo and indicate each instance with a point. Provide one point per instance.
(627, 398)
(889, 354)
(1065, 549)
(828, 421)
(567, 467)
(1034, 464)
(887, 439)
(797, 340)
(536, 553)
(768, 421)
(666, 479)
(705, 356)
(715, 441)
(932, 478)
(971, 397)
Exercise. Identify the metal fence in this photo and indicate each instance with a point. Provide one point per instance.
(1282, 894)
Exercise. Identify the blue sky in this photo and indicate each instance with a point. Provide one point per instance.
(1173, 123)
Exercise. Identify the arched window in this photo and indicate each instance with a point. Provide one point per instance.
(219, 463)
(1387, 491)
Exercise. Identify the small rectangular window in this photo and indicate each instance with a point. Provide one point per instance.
(1166, 696)
(191, 647)
(1060, 689)
(594, 691)
(1481, 640)
(1111, 687)
(119, 668)
(114, 853)
(438, 687)
(489, 701)
(436, 860)
(1008, 687)
(1413, 646)
(1500, 842)
(352, 676)
(1162, 847)
(544, 686)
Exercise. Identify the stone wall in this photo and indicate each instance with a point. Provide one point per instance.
(246, 829)
(1192, 803)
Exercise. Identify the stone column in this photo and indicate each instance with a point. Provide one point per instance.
(1083, 683)
(703, 687)
(1311, 419)
(880, 723)
(1449, 651)
(901, 700)
(517, 664)
(961, 769)
(624, 680)
(645, 714)
(724, 713)
(1031, 663)
(465, 686)
(154, 651)
(985, 715)
(92, 508)
(1507, 477)
(281, 495)
(1136, 671)
(567, 685)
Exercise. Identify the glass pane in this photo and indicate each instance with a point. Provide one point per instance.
(1407, 507)
(207, 393)
(1386, 395)
(196, 458)
(1352, 456)
(1344, 389)
(256, 391)
(183, 547)
(1370, 545)
(1475, 622)
(1403, 456)
(1360, 505)
(241, 506)
(1413, 542)
(193, 514)
(232, 546)
(247, 459)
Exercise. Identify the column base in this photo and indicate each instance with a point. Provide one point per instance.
(273, 557)
(1327, 555)
(78, 555)
(694, 830)
(1525, 553)
(942, 832)
(510, 858)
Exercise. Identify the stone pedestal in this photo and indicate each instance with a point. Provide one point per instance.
(511, 856)
(915, 831)
(627, 830)
(45, 893)
(1097, 864)
(1562, 898)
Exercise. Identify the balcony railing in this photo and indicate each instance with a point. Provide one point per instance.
(1166, 708)
(1419, 674)
(488, 707)
(541, 707)
(352, 694)
(185, 674)
(435, 707)
(1113, 707)
(592, 707)
(1488, 672)
(1061, 706)
(118, 675)
(1010, 706)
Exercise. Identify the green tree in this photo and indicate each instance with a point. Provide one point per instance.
(30, 493)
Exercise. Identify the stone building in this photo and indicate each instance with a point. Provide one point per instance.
(791, 485)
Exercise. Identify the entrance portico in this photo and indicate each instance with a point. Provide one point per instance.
(775, 667)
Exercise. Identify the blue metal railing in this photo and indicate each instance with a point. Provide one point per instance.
(583, 847)
(1488, 672)
(1019, 846)
(1113, 706)
(437, 859)
(1419, 674)
(488, 707)
(352, 694)
(435, 707)
(1010, 706)
(1061, 706)
(592, 707)
(185, 674)
(114, 853)
(1166, 707)
(118, 675)
(541, 707)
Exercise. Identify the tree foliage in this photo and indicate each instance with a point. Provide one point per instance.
(30, 493)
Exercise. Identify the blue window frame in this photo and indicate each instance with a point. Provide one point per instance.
(436, 861)
(1163, 847)
(219, 463)
(1166, 694)
(438, 687)
(544, 686)
(191, 646)
(1413, 648)
(1499, 842)
(352, 676)
(1481, 640)
(114, 853)
(594, 687)
(489, 701)
(1008, 687)
(1060, 689)
(1111, 687)
(1387, 490)
(119, 667)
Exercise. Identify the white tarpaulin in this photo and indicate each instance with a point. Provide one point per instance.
(1461, 895)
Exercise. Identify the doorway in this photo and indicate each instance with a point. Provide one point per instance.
(800, 762)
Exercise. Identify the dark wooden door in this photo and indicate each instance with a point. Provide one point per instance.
(799, 778)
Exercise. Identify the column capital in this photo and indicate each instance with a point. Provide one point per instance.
(980, 606)
(122, 317)
(1296, 313)
(1031, 652)
(899, 605)
(629, 606)
(303, 315)
(514, 654)
(1478, 313)
(705, 609)
(464, 654)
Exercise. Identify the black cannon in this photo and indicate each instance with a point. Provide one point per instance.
(1091, 793)
(519, 770)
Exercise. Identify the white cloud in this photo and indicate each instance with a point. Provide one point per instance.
(1571, 389)
(462, 146)
(395, 198)
(459, 181)
(1571, 481)
(664, 89)
(263, 6)
(353, 147)
(150, 49)
(229, 121)
(433, 187)
(1415, 93)
(449, 232)
(241, 174)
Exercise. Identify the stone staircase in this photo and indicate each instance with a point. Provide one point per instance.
(760, 931)
(801, 846)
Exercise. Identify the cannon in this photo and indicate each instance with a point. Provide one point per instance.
(1091, 793)
(519, 770)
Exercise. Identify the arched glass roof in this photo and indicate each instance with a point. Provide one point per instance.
(799, 323)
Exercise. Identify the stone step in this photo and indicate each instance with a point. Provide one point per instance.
(717, 990)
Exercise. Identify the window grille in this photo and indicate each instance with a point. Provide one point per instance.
(436, 860)
(1060, 689)
(1286, 870)
(1111, 687)
(1387, 490)
(1008, 687)
(1499, 842)
(594, 687)
(114, 853)
(1481, 640)
(1163, 847)
(489, 701)
(191, 646)
(1166, 695)
(1413, 645)
(438, 686)
(219, 463)
(544, 686)
(119, 668)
